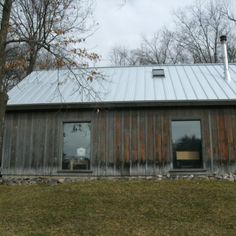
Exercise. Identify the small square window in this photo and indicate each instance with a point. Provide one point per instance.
(158, 73)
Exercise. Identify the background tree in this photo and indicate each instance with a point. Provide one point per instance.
(194, 40)
(122, 56)
(161, 48)
(198, 30)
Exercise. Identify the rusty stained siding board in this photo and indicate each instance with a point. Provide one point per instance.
(101, 142)
(229, 134)
(118, 138)
(158, 136)
(149, 168)
(150, 137)
(223, 135)
(234, 133)
(134, 136)
(110, 142)
(233, 123)
(206, 151)
(215, 136)
(141, 140)
(126, 136)
(165, 137)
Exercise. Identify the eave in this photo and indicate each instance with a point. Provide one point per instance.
(120, 105)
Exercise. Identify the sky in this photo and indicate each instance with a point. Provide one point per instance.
(123, 22)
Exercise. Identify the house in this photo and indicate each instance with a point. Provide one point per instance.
(143, 120)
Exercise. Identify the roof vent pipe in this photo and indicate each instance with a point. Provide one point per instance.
(223, 40)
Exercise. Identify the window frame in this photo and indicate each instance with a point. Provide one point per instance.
(187, 118)
(61, 170)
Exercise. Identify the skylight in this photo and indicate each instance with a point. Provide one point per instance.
(158, 73)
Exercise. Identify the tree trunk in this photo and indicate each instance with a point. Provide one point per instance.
(33, 49)
(3, 93)
(3, 102)
(32, 62)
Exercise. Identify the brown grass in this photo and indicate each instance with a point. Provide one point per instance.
(119, 208)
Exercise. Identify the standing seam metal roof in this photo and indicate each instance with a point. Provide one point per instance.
(198, 82)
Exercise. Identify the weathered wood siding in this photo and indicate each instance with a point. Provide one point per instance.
(124, 141)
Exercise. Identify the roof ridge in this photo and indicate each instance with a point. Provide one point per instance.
(136, 66)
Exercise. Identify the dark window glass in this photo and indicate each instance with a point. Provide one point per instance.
(76, 154)
(187, 144)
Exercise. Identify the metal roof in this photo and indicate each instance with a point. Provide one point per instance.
(197, 82)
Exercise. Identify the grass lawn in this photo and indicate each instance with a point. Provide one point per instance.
(119, 208)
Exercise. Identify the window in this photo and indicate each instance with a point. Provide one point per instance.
(76, 152)
(158, 73)
(187, 144)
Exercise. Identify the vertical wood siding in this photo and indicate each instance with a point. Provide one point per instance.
(224, 136)
(123, 142)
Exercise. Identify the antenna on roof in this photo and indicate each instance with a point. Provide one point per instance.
(223, 40)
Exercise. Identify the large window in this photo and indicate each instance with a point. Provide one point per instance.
(76, 152)
(187, 144)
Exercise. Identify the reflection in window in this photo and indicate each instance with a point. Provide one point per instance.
(76, 154)
(187, 144)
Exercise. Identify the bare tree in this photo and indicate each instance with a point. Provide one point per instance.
(161, 48)
(229, 9)
(53, 26)
(31, 29)
(122, 56)
(15, 66)
(195, 39)
(198, 29)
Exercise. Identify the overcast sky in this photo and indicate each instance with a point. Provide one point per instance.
(123, 23)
